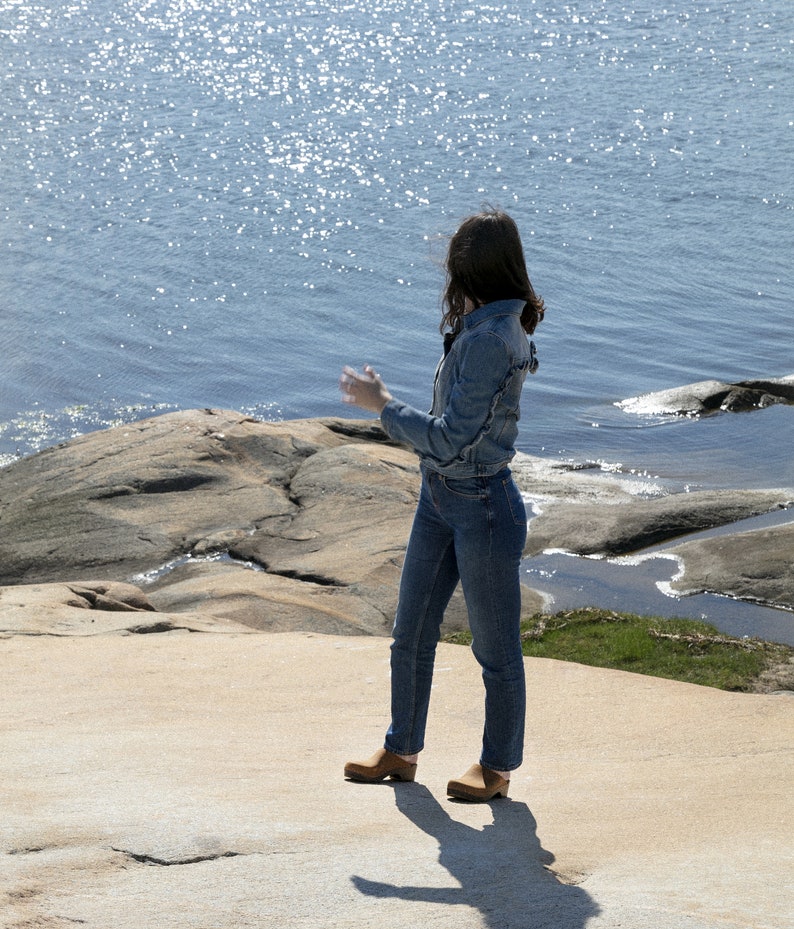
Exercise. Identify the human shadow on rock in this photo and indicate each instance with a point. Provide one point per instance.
(501, 869)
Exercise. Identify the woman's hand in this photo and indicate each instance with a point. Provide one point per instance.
(366, 390)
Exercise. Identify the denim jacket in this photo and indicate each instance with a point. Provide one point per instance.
(472, 426)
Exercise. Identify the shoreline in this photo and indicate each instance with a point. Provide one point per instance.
(323, 507)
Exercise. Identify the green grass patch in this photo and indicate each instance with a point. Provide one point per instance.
(680, 649)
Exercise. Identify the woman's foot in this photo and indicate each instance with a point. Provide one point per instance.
(479, 784)
(381, 765)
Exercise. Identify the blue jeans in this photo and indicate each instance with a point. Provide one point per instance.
(472, 530)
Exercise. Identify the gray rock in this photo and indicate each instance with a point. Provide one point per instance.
(756, 565)
(629, 524)
(266, 602)
(126, 500)
(596, 514)
(714, 396)
(323, 506)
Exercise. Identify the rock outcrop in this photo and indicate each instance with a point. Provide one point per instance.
(757, 565)
(714, 396)
(321, 507)
(301, 525)
(278, 526)
(629, 524)
(127, 500)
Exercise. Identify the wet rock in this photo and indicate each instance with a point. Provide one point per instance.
(756, 565)
(713, 396)
(585, 513)
(628, 523)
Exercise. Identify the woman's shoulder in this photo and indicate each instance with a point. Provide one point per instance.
(506, 328)
(486, 346)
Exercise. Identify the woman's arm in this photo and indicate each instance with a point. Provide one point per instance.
(482, 371)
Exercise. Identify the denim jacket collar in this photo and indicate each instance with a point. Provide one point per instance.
(489, 310)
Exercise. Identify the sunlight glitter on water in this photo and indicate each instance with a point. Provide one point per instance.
(179, 171)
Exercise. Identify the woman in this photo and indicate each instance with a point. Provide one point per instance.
(470, 523)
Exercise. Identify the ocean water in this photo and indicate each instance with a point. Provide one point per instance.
(220, 202)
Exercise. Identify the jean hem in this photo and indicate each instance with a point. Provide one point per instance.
(490, 767)
(395, 751)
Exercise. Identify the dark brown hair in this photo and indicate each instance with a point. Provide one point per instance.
(485, 262)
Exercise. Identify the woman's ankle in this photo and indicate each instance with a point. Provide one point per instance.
(505, 775)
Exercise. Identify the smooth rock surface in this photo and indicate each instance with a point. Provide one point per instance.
(130, 499)
(757, 565)
(164, 765)
(194, 781)
(630, 523)
(93, 608)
